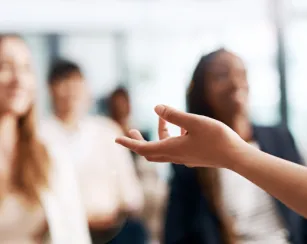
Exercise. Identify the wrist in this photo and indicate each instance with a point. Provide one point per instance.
(241, 157)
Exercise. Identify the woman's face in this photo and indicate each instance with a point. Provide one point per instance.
(227, 86)
(121, 106)
(17, 82)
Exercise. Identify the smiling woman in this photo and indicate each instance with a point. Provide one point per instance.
(220, 91)
(36, 187)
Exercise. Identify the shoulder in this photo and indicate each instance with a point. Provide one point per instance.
(46, 123)
(275, 132)
(48, 130)
(61, 162)
(279, 142)
(106, 124)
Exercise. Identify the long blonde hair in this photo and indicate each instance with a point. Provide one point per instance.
(31, 165)
(30, 173)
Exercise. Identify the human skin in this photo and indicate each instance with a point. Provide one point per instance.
(205, 142)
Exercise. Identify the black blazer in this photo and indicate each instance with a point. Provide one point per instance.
(189, 219)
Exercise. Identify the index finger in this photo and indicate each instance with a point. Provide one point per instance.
(166, 147)
(141, 147)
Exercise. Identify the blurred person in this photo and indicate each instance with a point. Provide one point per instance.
(108, 183)
(196, 147)
(208, 205)
(120, 110)
(39, 197)
(154, 188)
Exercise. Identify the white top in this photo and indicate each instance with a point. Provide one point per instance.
(64, 210)
(105, 170)
(20, 224)
(255, 218)
(61, 209)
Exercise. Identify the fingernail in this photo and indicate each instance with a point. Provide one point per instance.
(159, 109)
(133, 131)
(118, 139)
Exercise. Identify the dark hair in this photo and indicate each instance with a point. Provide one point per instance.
(208, 177)
(196, 101)
(120, 91)
(62, 68)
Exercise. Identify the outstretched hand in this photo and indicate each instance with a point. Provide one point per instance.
(206, 142)
(203, 142)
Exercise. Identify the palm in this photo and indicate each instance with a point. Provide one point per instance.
(203, 141)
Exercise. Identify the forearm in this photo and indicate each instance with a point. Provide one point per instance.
(282, 179)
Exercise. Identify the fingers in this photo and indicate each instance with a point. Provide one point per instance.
(132, 144)
(168, 147)
(183, 131)
(162, 130)
(135, 134)
(141, 147)
(181, 119)
(158, 159)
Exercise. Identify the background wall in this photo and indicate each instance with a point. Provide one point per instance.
(151, 47)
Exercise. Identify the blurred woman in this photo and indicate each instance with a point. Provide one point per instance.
(149, 224)
(39, 196)
(212, 206)
(120, 110)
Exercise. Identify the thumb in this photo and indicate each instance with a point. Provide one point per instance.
(176, 117)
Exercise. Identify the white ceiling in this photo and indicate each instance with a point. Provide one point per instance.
(94, 15)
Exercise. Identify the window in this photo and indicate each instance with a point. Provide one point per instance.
(96, 56)
(296, 39)
(40, 52)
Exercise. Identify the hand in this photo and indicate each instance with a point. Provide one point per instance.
(203, 142)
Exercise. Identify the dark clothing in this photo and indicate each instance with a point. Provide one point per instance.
(103, 236)
(133, 232)
(190, 219)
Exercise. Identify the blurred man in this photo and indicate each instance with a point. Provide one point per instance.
(108, 183)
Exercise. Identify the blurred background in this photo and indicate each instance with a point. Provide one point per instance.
(151, 48)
